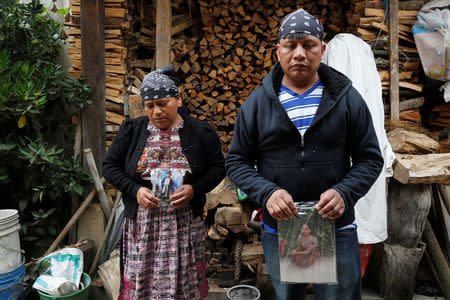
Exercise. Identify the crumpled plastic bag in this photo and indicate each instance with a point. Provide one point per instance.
(60, 272)
(432, 36)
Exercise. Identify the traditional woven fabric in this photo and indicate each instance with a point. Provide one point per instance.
(301, 108)
(161, 149)
(300, 22)
(164, 247)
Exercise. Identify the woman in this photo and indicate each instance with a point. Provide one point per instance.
(306, 252)
(162, 253)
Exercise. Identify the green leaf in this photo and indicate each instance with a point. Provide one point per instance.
(22, 121)
(29, 238)
(63, 11)
(48, 213)
(7, 146)
(78, 189)
(52, 230)
(23, 204)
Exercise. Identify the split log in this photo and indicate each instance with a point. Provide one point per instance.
(408, 207)
(429, 168)
(408, 104)
(224, 193)
(234, 217)
(253, 253)
(405, 141)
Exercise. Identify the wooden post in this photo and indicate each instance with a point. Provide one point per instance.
(163, 32)
(408, 207)
(93, 68)
(393, 55)
(97, 182)
(74, 198)
(438, 259)
(399, 270)
(105, 235)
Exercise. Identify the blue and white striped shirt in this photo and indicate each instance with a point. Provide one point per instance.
(301, 108)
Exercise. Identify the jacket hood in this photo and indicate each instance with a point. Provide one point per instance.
(334, 81)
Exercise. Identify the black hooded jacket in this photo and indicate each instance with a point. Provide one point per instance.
(339, 150)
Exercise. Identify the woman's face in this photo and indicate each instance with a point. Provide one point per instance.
(163, 111)
(306, 230)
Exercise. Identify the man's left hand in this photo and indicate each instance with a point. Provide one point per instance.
(331, 205)
(182, 196)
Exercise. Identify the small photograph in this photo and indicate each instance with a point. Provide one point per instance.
(165, 182)
(307, 247)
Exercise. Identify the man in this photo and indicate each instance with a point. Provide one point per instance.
(311, 137)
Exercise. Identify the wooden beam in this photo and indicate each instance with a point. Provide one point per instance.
(408, 104)
(163, 32)
(93, 68)
(188, 22)
(393, 55)
(438, 259)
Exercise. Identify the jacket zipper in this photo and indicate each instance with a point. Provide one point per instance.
(303, 175)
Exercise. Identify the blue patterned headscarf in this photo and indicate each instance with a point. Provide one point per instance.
(161, 83)
(300, 22)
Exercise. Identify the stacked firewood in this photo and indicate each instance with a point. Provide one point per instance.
(116, 56)
(236, 50)
(373, 28)
(232, 239)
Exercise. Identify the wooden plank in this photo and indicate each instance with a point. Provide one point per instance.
(409, 5)
(114, 118)
(186, 23)
(411, 86)
(407, 104)
(427, 168)
(163, 32)
(377, 12)
(93, 68)
(394, 93)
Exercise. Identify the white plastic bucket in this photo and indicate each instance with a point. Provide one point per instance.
(9, 240)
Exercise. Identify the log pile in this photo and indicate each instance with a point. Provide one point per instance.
(374, 29)
(232, 239)
(116, 56)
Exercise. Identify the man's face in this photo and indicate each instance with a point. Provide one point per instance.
(300, 58)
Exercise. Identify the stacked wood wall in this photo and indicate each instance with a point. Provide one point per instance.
(116, 56)
(234, 52)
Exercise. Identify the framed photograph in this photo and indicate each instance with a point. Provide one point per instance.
(307, 247)
(165, 182)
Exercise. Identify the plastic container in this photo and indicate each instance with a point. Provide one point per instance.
(9, 240)
(243, 292)
(11, 286)
(82, 294)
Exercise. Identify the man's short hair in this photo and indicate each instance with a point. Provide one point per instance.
(296, 35)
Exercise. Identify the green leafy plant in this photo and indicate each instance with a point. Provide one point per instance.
(37, 100)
